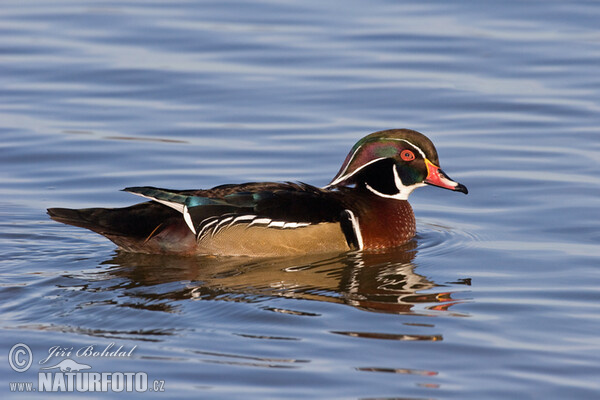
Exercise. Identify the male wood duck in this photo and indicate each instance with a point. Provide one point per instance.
(364, 207)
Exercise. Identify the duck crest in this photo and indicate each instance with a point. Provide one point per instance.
(382, 145)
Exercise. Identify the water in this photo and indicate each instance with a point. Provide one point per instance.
(497, 297)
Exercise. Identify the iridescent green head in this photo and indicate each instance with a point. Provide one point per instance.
(393, 163)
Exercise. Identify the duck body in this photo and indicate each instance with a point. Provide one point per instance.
(259, 219)
(364, 207)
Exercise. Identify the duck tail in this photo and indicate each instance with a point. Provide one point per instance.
(100, 220)
(146, 227)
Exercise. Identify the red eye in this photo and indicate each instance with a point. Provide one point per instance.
(407, 155)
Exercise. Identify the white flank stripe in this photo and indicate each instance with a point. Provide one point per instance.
(182, 208)
(177, 206)
(276, 224)
(224, 221)
(188, 219)
(215, 226)
(260, 221)
(244, 218)
(204, 231)
(222, 225)
(356, 228)
(209, 224)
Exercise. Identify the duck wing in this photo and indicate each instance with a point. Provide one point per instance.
(261, 213)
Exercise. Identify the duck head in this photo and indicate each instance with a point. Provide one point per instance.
(393, 163)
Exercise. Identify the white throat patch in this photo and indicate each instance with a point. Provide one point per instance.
(403, 191)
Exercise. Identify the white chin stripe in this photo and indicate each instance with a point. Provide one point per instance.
(403, 195)
(403, 191)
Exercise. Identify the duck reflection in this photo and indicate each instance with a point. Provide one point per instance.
(379, 282)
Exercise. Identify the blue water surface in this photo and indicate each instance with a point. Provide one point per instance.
(496, 298)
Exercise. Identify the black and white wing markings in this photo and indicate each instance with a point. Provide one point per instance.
(212, 226)
(280, 207)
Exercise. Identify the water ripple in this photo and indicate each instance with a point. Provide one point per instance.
(435, 239)
(391, 336)
(98, 96)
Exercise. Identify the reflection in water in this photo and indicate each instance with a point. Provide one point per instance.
(405, 371)
(380, 282)
(392, 336)
(144, 335)
(373, 282)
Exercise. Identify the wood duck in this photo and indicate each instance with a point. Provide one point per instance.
(364, 207)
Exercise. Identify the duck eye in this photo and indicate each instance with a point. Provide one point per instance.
(407, 155)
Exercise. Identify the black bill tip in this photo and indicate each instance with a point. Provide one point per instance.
(461, 188)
